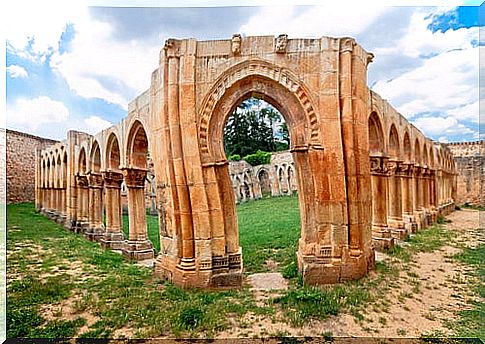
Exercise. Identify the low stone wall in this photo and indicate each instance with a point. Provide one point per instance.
(469, 159)
(20, 164)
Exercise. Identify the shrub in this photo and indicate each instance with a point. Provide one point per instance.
(191, 317)
(258, 158)
(234, 157)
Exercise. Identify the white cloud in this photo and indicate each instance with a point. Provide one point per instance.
(325, 20)
(94, 124)
(30, 114)
(17, 71)
(448, 126)
(39, 22)
(99, 66)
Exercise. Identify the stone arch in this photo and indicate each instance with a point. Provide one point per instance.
(376, 136)
(278, 87)
(82, 162)
(64, 170)
(431, 157)
(417, 153)
(58, 182)
(113, 153)
(264, 181)
(394, 146)
(95, 157)
(424, 155)
(407, 151)
(137, 146)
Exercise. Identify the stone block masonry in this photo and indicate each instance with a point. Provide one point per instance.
(20, 164)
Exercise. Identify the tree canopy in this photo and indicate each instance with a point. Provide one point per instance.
(255, 126)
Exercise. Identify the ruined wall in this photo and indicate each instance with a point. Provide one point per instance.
(470, 165)
(2, 166)
(20, 149)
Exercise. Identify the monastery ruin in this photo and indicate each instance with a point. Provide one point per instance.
(364, 175)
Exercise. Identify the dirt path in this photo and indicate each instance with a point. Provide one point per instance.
(428, 291)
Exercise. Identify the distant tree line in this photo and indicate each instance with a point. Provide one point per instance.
(255, 127)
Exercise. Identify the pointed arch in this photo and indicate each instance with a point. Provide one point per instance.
(113, 153)
(137, 146)
(394, 146)
(376, 137)
(95, 157)
(407, 147)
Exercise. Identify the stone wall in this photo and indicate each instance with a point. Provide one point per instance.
(20, 149)
(469, 159)
(3, 162)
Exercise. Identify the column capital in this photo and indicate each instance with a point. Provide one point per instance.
(113, 179)
(407, 169)
(135, 177)
(379, 165)
(95, 180)
(394, 166)
(82, 180)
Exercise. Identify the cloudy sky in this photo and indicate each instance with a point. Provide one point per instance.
(77, 67)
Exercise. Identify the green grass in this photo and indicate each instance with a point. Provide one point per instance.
(152, 230)
(43, 255)
(269, 229)
(470, 322)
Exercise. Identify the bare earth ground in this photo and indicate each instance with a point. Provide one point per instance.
(430, 290)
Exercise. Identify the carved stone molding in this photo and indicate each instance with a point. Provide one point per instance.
(113, 179)
(135, 177)
(281, 43)
(393, 167)
(258, 68)
(236, 44)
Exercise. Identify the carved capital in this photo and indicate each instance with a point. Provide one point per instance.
(407, 169)
(370, 58)
(113, 179)
(95, 180)
(171, 47)
(281, 43)
(378, 165)
(82, 181)
(135, 177)
(393, 167)
(236, 44)
(347, 44)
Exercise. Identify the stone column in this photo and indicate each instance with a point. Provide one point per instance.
(82, 185)
(395, 219)
(407, 197)
(113, 237)
(381, 233)
(137, 247)
(96, 226)
(425, 192)
(433, 204)
(418, 196)
(275, 185)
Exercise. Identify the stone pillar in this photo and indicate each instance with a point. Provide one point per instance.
(113, 237)
(407, 197)
(275, 185)
(395, 219)
(418, 196)
(381, 233)
(433, 205)
(82, 186)
(137, 247)
(96, 226)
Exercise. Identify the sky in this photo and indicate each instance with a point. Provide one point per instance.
(73, 66)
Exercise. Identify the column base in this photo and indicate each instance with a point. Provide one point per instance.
(352, 265)
(81, 226)
(410, 223)
(138, 250)
(112, 240)
(398, 230)
(216, 272)
(382, 238)
(420, 218)
(94, 233)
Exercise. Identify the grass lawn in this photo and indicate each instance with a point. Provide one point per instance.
(61, 285)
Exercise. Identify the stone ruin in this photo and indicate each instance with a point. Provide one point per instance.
(365, 176)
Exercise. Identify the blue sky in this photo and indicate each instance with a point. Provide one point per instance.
(77, 67)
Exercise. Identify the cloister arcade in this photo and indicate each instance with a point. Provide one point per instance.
(364, 175)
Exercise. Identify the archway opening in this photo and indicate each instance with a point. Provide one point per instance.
(257, 144)
(140, 163)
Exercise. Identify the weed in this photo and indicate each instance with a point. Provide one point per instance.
(382, 320)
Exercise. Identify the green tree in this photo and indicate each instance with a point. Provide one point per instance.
(251, 127)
